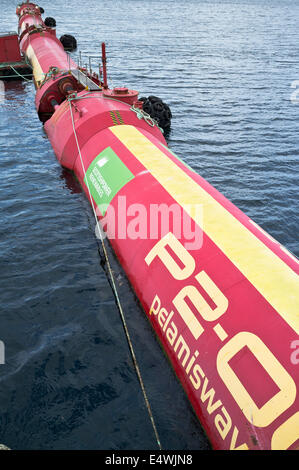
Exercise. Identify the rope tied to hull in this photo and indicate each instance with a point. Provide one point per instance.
(148, 119)
(53, 73)
(113, 285)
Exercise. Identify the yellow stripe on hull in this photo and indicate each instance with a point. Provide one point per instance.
(273, 278)
(37, 70)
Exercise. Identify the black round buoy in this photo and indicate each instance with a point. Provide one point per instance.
(158, 110)
(69, 42)
(41, 10)
(51, 22)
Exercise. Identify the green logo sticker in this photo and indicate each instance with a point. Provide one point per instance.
(105, 176)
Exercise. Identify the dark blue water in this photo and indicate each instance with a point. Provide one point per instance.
(225, 69)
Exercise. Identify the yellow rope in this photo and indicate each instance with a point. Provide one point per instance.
(115, 290)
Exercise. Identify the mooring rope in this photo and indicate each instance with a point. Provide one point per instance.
(20, 75)
(122, 315)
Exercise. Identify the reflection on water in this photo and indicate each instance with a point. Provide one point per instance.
(12, 90)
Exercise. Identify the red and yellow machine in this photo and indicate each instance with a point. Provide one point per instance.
(221, 294)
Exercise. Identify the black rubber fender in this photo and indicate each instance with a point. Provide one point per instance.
(69, 42)
(51, 22)
(158, 110)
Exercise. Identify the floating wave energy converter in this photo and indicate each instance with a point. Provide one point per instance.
(220, 293)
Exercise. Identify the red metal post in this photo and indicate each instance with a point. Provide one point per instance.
(104, 62)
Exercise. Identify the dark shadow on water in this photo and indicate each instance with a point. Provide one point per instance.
(13, 89)
(71, 181)
(166, 134)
